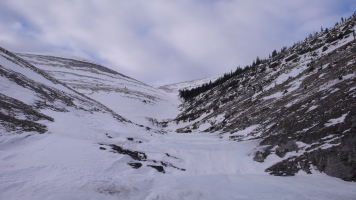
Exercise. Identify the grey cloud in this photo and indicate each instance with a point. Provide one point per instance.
(165, 41)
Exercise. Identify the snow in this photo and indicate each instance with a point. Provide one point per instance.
(275, 95)
(136, 110)
(205, 125)
(15, 91)
(60, 55)
(332, 122)
(311, 108)
(40, 167)
(290, 74)
(291, 103)
(174, 88)
(339, 43)
(128, 97)
(333, 82)
(67, 163)
(11, 65)
(245, 131)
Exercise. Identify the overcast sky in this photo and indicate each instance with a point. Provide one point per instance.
(165, 41)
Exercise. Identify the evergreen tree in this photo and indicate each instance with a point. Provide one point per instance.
(258, 61)
(274, 53)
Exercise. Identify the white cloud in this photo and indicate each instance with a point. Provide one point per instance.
(165, 41)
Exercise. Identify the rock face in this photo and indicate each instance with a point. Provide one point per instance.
(299, 103)
(339, 160)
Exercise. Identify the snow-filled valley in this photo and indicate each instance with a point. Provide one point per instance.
(70, 165)
(74, 129)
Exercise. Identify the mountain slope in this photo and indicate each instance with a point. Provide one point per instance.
(301, 103)
(135, 100)
(26, 89)
(175, 87)
(56, 142)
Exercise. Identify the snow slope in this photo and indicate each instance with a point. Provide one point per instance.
(135, 100)
(175, 87)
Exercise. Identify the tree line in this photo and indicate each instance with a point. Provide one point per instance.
(190, 93)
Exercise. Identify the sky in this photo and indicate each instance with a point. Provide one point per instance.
(165, 41)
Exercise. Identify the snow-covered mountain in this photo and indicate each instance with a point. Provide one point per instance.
(74, 129)
(136, 101)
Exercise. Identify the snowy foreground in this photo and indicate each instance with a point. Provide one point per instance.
(69, 165)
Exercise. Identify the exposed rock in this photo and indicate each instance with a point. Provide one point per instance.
(135, 165)
(158, 168)
(259, 157)
(136, 155)
(290, 166)
(289, 146)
